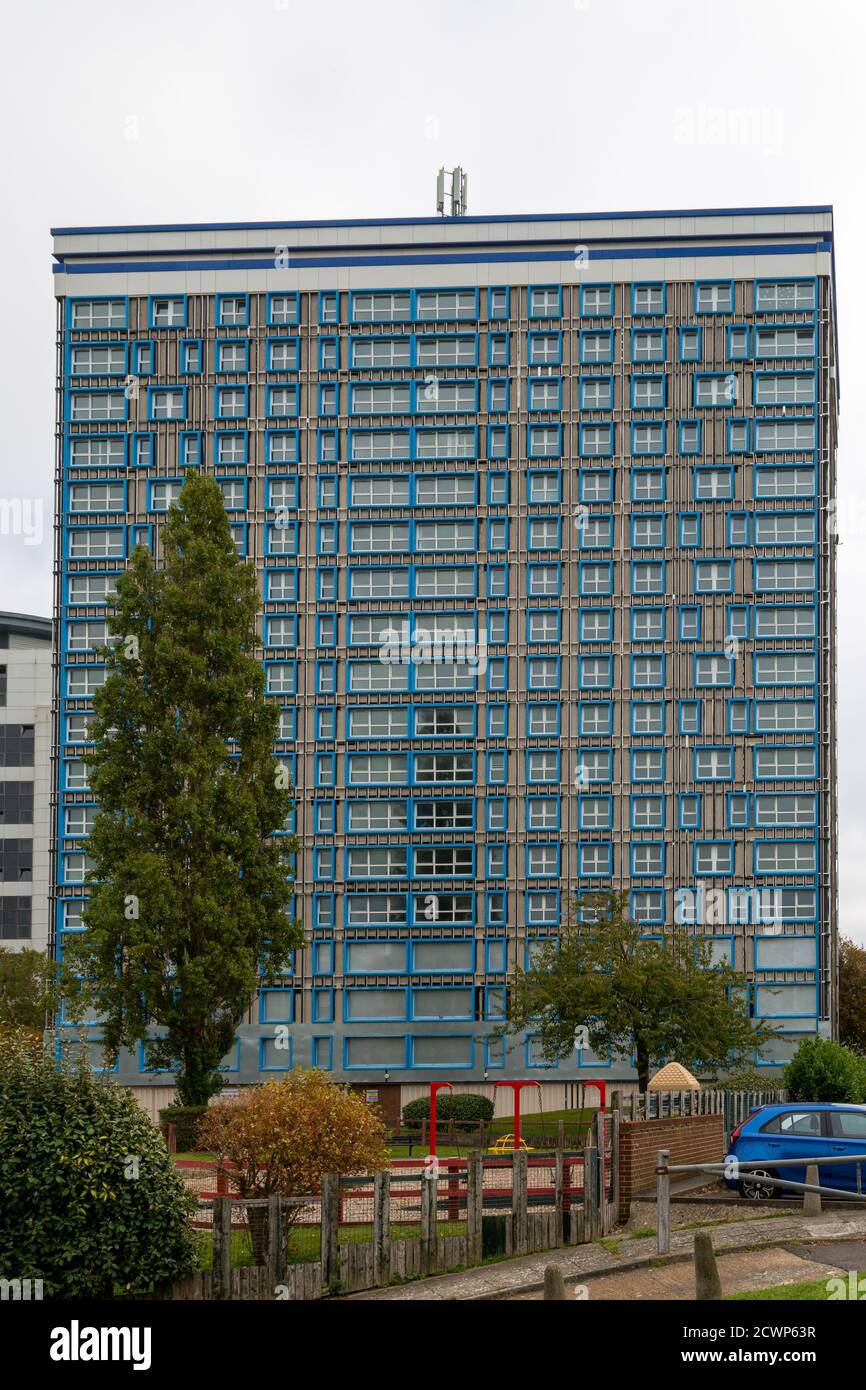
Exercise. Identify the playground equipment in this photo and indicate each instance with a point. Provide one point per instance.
(508, 1144)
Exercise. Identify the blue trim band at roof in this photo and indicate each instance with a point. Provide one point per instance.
(459, 258)
(434, 247)
(438, 221)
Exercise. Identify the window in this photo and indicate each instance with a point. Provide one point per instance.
(648, 299)
(97, 405)
(596, 393)
(713, 857)
(647, 484)
(648, 438)
(596, 625)
(784, 622)
(648, 812)
(714, 298)
(232, 356)
(446, 304)
(783, 764)
(596, 300)
(796, 668)
(648, 859)
(784, 296)
(713, 670)
(713, 484)
(370, 307)
(690, 623)
(231, 402)
(713, 576)
(648, 531)
(596, 440)
(782, 857)
(714, 764)
(785, 342)
(648, 765)
(647, 345)
(595, 860)
(595, 812)
(648, 392)
(544, 394)
(648, 577)
(546, 349)
(784, 435)
(794, 388)
(545, 302)
(690, 811)
(778, 575)
(97, 313)
(16, 861)
(168, 313)
(690, 345)
(715, 390)
(595, 346)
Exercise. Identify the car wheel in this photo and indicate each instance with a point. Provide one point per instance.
(759, 1191)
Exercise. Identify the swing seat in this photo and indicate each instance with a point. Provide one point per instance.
(505, 1145)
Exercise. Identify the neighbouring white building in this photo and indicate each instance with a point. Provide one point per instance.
(25, 780)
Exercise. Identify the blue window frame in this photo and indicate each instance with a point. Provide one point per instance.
(689, 811)
(690, 436)
(648, 297)
(690, 622)
(689, 716)
(596, 301)
(596, 392)
(648, 437)
(232, 355)
(233, 310)
(690, 343)
(545, 301)
(167, 311)
(648, 484)
(648, 345)
(739, 339)
(283, 308)
(595, 345)
(595, 485)
(498, 302)
(545, 348)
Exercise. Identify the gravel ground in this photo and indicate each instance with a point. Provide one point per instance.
(643, 1214)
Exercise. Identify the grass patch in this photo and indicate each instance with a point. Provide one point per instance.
(195, 1158)
(642, 1233)
(811, 1291)
(610, 1245)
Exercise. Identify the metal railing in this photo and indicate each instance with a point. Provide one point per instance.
(752, 1171)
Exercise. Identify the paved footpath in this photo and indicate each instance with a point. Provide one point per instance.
(526, 1274)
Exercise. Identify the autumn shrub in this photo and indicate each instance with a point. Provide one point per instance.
(282, 1136)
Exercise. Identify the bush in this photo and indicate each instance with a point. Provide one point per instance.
(464, 1108)
(825, 1070)
(186, 1120)
(282, 1136)
(92, 1203)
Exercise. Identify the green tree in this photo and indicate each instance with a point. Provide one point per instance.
(825, 1070)
(190, 892)
(26, 983)
(669, 1002)
(92, 1203)
(852, 994)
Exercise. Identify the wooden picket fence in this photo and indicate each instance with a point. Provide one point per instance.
(409, 1222)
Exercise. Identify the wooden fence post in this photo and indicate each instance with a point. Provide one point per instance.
(474, 1206)
(330, 1230)
(382, 1229)
(221, 1274)
(429, 1192)
(558, 1185)
(615, 1121)
(663, 1202)
(591, 1225)
(520, 1202)
(276, 1256)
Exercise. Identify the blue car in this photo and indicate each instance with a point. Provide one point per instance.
(801, 1129)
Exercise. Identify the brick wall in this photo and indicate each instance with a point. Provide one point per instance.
(690, 1139)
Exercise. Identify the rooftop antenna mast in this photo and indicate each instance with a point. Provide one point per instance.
(452, 184)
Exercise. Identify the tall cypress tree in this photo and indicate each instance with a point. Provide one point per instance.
(189, 892)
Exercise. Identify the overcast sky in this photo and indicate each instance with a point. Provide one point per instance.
(236, 110)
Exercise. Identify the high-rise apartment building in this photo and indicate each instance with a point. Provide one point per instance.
(539, 507)
(25, 781)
